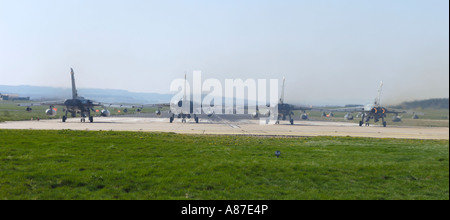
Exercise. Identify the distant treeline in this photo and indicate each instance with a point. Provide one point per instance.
(425, 104)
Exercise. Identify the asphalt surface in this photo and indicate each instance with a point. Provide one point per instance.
(226, 125)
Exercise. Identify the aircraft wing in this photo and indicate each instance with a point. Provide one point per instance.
(302, 107)
(393, 111)
(415, 113)
(141, 106)
(351, 109)
(109, 105)
(363, 109)
(155, 105)
(41, 103)
(61, 103)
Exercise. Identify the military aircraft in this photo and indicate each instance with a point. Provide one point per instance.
(182, 108)
(370, 111)
(75, 105)
(285, 110)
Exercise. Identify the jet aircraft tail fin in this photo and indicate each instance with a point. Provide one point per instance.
(378, 98)
(74, 89)
(185, 82)
(281, 101)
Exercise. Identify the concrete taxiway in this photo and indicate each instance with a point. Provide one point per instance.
(237, 127)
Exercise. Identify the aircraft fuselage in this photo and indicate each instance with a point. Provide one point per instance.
(373, 112)
(75, 106)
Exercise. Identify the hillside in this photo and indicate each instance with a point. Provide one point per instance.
(425, 104)
(101, 95)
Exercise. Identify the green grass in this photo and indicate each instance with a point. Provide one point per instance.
(9, 111)
(135, 165)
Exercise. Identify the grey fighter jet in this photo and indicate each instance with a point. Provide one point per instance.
(370, 111)
(285, 110)
(183, 108)
(75, 105)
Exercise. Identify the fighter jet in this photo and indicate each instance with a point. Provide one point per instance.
(183, 108)
(285, 110)
(370, 111)
(75, 105)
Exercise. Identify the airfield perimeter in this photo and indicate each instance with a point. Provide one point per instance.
(236, 127)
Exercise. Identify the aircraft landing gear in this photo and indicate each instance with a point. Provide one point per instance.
(367, 122)
(196, 119)
(87, 115)
(362, 121)
(384, 122)
(64, 118)
(90, 117)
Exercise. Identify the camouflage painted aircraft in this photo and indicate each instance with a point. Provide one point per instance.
(370, 111)
(75, 105)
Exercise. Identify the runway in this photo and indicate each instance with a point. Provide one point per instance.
(235, 127)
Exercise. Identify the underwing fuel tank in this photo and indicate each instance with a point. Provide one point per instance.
(105, 113)
(50, 112)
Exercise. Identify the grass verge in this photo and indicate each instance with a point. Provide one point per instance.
(136, 165)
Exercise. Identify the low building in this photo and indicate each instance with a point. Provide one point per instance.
(12, 97)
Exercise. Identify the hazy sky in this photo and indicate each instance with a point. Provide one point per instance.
(330, 51)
